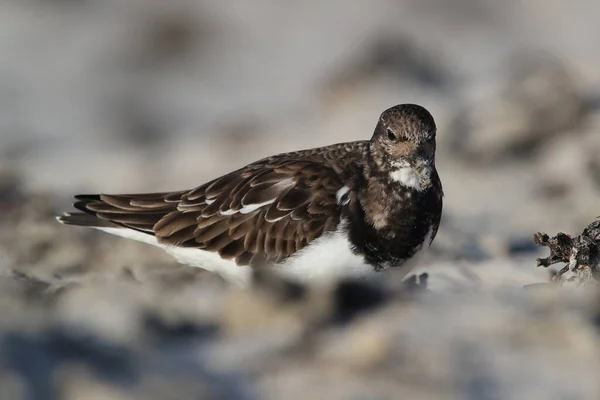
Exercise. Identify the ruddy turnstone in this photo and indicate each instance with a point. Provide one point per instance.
(345, 210)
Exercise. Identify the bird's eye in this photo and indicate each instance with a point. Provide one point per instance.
(391, 135)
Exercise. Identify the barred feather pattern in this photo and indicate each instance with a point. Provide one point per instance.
(262, 213)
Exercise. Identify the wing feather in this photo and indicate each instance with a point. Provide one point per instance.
(265, 211)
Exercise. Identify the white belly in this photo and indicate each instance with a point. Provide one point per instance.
(326, 260)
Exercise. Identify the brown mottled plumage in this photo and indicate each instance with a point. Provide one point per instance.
(267, 211)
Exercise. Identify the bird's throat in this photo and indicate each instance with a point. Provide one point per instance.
(416, 176)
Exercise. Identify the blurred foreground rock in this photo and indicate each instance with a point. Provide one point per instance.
(119, 339)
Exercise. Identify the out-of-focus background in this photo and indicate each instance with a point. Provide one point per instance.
(147, 95)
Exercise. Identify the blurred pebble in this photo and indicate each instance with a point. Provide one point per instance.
(364, 347)
(538, 99)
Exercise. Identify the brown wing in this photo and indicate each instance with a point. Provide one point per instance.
(263, 212)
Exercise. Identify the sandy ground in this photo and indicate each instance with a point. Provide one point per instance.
(140, 95)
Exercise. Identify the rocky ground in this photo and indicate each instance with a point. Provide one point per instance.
(127, 96)
(86, 317)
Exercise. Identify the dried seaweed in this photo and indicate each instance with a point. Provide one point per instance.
(581, 254)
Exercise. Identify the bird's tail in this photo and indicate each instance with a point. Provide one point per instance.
(139, 211)
(87, 217)
(83, 219)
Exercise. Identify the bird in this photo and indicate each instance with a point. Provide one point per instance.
(344, 211)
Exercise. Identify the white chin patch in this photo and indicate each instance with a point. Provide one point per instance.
(407, 176)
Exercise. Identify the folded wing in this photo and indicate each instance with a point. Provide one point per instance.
(264, 212)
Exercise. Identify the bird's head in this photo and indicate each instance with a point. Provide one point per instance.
(403, 144)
